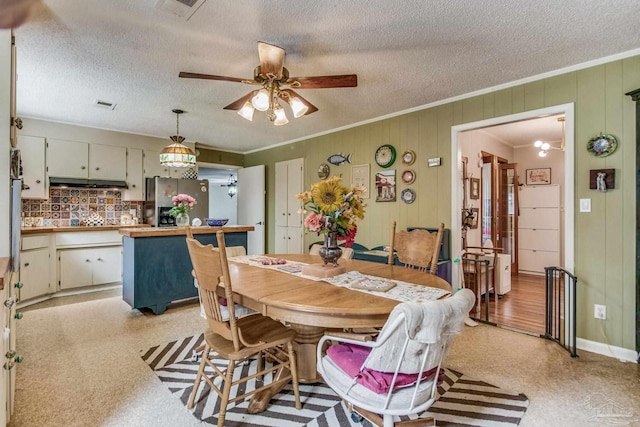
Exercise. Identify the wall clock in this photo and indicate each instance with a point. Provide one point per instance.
(385, 155)
(323, 171)
(408, 157)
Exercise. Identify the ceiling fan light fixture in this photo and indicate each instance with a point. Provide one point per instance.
(298, 107)
(545, 146)
(246, 112)
(542, 154)
(281, 117)
(177, 155)
(261, 100)
(538, 144)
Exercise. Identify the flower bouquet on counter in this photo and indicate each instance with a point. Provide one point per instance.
(182, 203)
(332, 207)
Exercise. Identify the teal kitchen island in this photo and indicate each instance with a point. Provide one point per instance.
(156, 268)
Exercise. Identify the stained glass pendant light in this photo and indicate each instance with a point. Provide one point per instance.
(177, 155)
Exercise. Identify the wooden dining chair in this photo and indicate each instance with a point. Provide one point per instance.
(236, 339)
(417, 249)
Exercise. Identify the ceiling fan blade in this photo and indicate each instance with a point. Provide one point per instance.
(271, 59)
(311, 108)
(321, 82)
(186, 75)
(237, 104)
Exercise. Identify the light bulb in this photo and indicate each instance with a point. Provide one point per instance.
(281, 117)
(538, 144)
(246, 112)
(261, 100)
(298, 107)
(542, 154)
(545, 146)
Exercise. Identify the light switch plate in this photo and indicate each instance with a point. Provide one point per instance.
(585, 205)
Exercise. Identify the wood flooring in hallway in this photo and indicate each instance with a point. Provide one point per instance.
(522, 307)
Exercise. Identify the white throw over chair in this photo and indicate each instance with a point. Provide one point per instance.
(396, 374)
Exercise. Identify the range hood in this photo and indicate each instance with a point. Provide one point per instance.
(86, 183)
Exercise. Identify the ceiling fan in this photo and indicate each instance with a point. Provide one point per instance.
(276, 85)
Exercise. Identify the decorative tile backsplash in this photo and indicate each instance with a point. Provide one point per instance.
(69, 206)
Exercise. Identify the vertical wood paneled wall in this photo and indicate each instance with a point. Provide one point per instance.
(605, 238)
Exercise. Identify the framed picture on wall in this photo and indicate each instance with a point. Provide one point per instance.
(386, 186)
(473, 220)
(474, 189)
(540, 176)
(360, 178)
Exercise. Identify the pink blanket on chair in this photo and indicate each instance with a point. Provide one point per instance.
(350, 357)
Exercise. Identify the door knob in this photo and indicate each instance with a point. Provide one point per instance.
(259, 223)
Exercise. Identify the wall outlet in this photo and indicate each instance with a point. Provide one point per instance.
(600, 311)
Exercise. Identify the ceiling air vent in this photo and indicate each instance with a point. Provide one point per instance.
(104, 104)
(183, 9)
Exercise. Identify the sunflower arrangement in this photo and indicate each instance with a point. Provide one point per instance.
(331, 207)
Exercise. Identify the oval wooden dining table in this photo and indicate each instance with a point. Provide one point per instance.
(311, 307)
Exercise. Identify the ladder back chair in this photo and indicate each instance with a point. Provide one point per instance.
(236, 339)
(417, 249)
(477, 273)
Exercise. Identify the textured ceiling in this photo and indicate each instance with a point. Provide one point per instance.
(406, 54)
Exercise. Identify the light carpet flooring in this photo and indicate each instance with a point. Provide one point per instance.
(82, 368)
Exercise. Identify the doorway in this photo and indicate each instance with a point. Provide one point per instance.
(523, 306)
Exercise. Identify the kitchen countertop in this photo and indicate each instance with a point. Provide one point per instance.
(175, 231)
(39, 230)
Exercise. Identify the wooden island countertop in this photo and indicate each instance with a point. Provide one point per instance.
(176, 231)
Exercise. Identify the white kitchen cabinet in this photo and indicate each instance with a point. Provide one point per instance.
(34, 267)
(68, 159)
(32, 151)
(289, 240)
(152, 166)
(539, 228)
(135, 179)
(107, 162)
(88, 267)
(289, 182)
(73, 159)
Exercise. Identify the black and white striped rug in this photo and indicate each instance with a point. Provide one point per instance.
(463, 401)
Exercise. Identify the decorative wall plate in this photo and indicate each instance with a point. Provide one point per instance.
(385, 155)
(602, 145)
(408, 157)
(408, 195)
(323, 171)
(408, 176)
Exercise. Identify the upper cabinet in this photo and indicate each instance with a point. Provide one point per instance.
(32, 149)
(152, 166)
(68, 159)
(135, 180)
(107, 162)
(72, 159)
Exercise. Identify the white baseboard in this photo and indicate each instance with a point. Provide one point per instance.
(622, 354)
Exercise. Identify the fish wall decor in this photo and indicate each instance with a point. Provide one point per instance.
(338, 159)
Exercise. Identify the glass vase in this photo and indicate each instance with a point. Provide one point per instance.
(182, 220)
(330, 252)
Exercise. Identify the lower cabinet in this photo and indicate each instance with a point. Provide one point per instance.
(34, 273)
(88, 267)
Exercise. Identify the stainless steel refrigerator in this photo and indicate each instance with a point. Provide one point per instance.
(158, 199)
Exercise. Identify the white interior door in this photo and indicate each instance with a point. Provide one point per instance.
(251, 206)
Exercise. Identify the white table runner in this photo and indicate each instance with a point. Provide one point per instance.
(402, 291)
